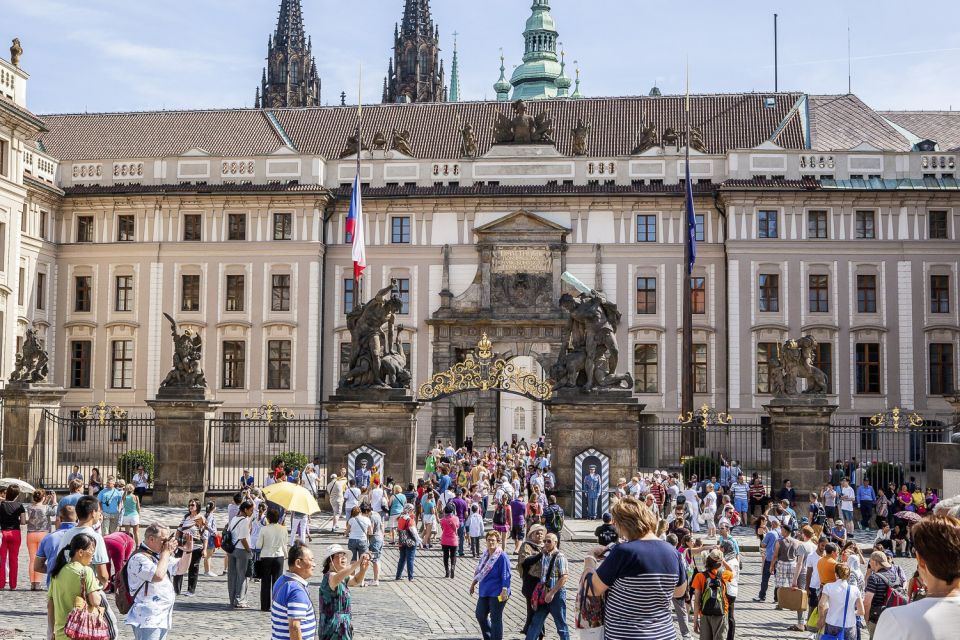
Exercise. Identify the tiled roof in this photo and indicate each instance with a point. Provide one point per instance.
(806, 184)
(158, 134)
(728, 121)
(24, 114)
(943, 127)
(842, 122)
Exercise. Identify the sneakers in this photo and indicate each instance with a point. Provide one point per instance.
(188, 594)
(759, 599)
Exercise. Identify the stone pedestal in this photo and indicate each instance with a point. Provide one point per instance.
(181, 445)
(607, 422)
(29, 440)
(384, 420)
(943, 468)
(799, 443)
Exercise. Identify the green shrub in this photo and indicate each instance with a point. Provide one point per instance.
(880, 473)
(128, 463)
(702, 466)
(289, 460)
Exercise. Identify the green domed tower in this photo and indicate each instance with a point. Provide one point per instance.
(536, 77)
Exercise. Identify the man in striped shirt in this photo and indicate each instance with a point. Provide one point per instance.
(291, 615)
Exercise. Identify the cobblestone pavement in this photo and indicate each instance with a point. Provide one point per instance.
(429, 608)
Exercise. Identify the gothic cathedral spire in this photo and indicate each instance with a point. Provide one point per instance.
(416, 72)
(290, 77)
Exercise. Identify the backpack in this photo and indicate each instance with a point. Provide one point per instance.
(895, 596)
(820, 515)
(227, 543)
(555, 520)
(121, 587)
(499, 516)
(711, 602)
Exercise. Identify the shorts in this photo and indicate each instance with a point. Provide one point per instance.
(132, 520)
(376, 547)
(428, 518)
(358, 546)
(740, 504)
(393, 522)
(210, 542)
(847, 515)
(516, 532)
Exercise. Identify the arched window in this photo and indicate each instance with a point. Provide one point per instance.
(295, 72)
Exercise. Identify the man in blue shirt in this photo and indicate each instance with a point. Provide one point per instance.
(47, 551)
(866, 498)
(110, 498)
(292, 616)
(767, 546)
(76, 487)
(724, 529)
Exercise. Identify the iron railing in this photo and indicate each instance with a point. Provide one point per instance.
(239, 444)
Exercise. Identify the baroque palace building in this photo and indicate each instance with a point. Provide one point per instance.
(816, 215)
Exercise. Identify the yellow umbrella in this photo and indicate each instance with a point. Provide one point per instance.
(291, 497)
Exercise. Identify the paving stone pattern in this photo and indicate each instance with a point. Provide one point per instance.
(429, 608)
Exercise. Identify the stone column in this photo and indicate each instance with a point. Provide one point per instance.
(382, 419)
(181, 445)
(607, 421)
(943, 458)
(29, 440)
(799, 443)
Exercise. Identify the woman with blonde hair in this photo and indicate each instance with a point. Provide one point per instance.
(39, 514)
(130, 520)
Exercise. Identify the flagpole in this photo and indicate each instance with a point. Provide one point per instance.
(686, 384)
(358, 282)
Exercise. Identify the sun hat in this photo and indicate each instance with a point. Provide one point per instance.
(331, 551)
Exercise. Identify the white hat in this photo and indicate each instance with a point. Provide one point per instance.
(333, 476)
(332, 550)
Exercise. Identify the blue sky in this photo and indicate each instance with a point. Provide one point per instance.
(121, 55)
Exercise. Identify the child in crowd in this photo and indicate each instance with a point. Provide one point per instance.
(475, 529)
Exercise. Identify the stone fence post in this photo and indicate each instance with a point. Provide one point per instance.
(30, 441)
(799, 443)
(181, 446)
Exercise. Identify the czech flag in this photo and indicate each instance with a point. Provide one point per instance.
(355, 229)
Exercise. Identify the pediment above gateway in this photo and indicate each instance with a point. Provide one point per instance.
(520, 226)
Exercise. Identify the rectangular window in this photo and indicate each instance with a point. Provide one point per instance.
(234, 361)
(770, 292)
(278, 364)
(646, 228)
(80, 351)
(192, 228)
(44, 216)
(78, 427)
(867, 294)
(190, 293)
(865, 225)
(645, 368)
(125, 228)
(280, 294)
(348, 284)
(403, 290)
(236, 226)
(234, 293)
(868, 367)
(698, 293)
(4, 162)
(400, 230)
(869, 435)
(283, 226)
(766, 351)
(938, 225)
(767, 227)
(700, 368)
(699, 235)
(646, 295)
(21, 285)
(81, 293)
(816, 225)
(124, 293)
(823, 360)
(41, 291)
(121, 364)
(939, 294)
(941, 368)
(231, 427)
(346, 351)
(84, 228)
(819, 293)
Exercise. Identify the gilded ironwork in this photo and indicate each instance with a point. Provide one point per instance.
(485, 372)
(268, 413)
(101, 412)
(894, 417)
(706, 416)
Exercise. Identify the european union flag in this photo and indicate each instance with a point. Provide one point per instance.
(691, 222)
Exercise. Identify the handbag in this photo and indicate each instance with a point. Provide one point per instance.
(589, 606)
(843, 624)
(217, 540)
(85, 622)
(539, 595)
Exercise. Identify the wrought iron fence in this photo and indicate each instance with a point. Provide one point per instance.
(672, 446)
(238, 444)
(87, 439)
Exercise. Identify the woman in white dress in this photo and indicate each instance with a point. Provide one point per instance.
(710, 511)
(693, 504)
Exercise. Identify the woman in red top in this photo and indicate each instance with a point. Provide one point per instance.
(408, 541)
(449, 540)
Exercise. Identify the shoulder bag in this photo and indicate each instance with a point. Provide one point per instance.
(85, 622)
(589, 616)
(539, 595)
(843, 624)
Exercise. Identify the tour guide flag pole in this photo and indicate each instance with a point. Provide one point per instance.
(689, 257)
(355, 217)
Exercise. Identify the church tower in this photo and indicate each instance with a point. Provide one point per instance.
(290, 77)
(415, 73)
(541, 70)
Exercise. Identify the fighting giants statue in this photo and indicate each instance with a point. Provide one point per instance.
(186, 372)
(523, 128)
(588, 350)
(31, 363)
(377, 359)
(794, 360)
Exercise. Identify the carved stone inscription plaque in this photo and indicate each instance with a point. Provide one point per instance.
(514, 260)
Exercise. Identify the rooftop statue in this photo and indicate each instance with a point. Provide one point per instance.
(793, 361)
(696, 140)
(523, 128)
(468, 146)
(15, 52)
(580, 133)
(648, 139)
(377, 359)
(401, 142)
(31, 362)
(186, 372)
(670, 138)
(353, 147)
(379, 141)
